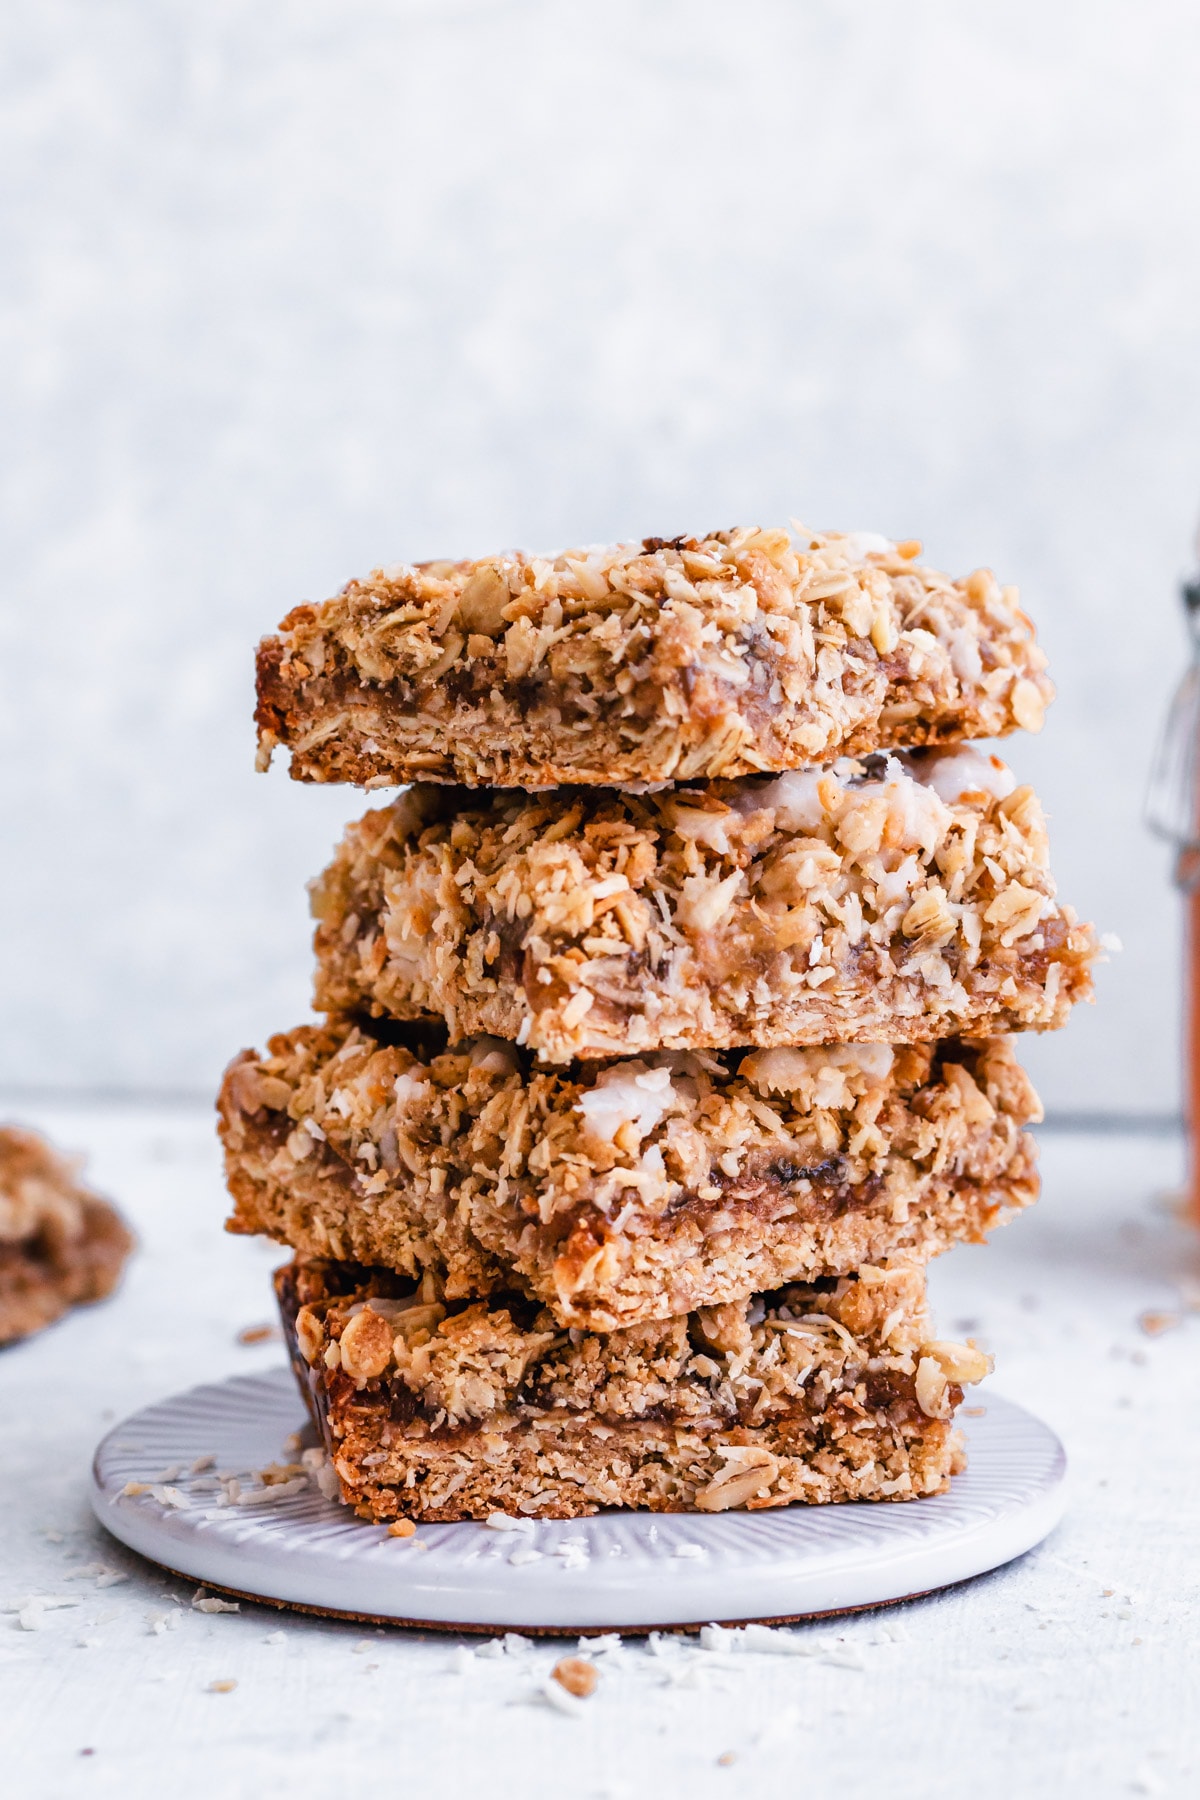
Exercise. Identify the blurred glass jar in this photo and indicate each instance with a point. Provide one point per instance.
(1173, 812)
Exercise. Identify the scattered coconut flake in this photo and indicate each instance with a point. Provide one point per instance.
(170, 1496)
(89, 1571)
(45, 1602)
(276, 1490)
(760, 1640)
(210, 1603)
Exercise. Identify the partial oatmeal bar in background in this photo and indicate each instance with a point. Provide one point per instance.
(60, 1245)
(896, 899)
(744, 651)
(832, 1391)
(627, 1192)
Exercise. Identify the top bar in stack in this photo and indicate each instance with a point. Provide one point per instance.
(743, 652)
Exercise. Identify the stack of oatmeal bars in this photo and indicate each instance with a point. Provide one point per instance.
(667, 1021)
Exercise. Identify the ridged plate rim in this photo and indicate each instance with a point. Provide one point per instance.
(615, 1571)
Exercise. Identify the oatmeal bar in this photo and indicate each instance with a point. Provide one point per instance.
(59, 1244)
(627, 1192)
(834, 1391)
(893, 900)
(661, 661)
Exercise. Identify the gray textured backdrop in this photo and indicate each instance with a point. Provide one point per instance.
(294, 288)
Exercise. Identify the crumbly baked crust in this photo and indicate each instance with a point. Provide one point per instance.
(60, 1245)
(837, 1391)
(661, 661)
(856, 904)
(628, 1192)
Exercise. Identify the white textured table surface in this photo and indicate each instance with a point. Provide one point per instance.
(1068, 1673)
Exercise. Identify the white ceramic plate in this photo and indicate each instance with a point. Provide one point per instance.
(617, 1571)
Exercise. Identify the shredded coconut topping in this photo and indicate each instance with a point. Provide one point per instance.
(626, 1094)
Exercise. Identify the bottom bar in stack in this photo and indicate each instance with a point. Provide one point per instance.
(435, 1410)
